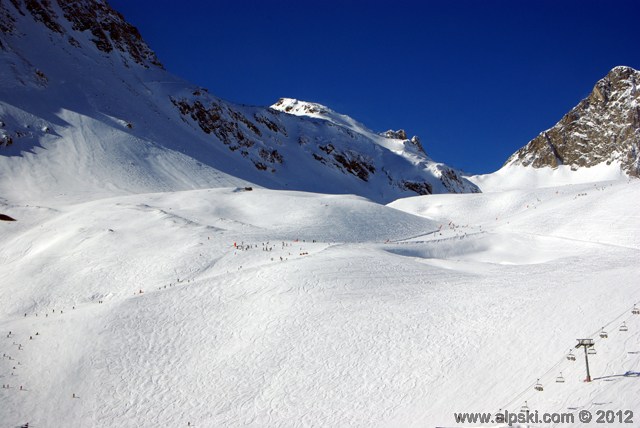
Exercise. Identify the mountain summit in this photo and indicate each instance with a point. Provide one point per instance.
(87, 108)
(602, 128)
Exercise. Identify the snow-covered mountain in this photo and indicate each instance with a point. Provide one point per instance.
(598, 140)
(87, 108)
(604, 128)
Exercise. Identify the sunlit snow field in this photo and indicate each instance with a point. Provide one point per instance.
(227, 307)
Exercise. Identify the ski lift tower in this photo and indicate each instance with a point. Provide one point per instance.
(586, 344)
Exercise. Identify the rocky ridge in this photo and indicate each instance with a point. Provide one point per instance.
(108, 29)
(85, 55)
(602, 128)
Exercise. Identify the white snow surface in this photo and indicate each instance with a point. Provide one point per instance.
(376, 315)
(513, 177)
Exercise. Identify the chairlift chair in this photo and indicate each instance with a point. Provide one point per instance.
(525, 408)
(591, 351)
(571, 356)
(624, 327)
(635, 310)
(538, 386)
(560, 379)
(603, 334)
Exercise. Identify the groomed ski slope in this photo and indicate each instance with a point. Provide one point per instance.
(376, 315)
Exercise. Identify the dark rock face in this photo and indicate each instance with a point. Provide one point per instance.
(234, 129)
(450, 178)
(604, 127)
(420, 188)
(354, 163)
(7, 22)
(42, 12)
(108, 28)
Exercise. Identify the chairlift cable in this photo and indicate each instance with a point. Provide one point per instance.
(597, 337)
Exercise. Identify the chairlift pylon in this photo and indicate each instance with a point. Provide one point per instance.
(624, 327)
(603, 334)
(560, 379)
(538, 386)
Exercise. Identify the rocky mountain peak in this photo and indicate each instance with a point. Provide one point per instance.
(74, 89)
(602, 128)
(79, 20)
(297, 107)
(400, 134)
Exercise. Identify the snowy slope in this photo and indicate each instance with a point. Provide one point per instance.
(516, 177)
(572, 255)
(387, 319)
(86, 108)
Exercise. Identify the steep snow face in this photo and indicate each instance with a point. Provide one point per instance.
(602, 128)
(87, 109)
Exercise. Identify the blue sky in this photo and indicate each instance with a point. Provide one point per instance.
(475, 80)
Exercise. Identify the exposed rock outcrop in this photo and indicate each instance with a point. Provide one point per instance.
(602, 128)
(108, 28)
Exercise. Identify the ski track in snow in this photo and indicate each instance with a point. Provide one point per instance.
(387, 319)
